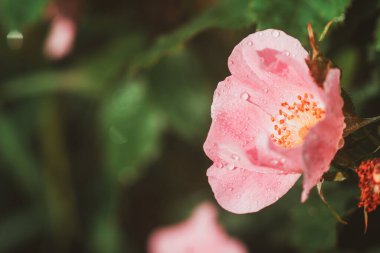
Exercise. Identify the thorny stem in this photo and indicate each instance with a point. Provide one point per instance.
(332, 210)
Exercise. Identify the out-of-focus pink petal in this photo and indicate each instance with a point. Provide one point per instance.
(322, 141)
(199, 234)
(243, 191)
(60, 38)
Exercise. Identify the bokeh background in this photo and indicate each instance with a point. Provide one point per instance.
(101, 143)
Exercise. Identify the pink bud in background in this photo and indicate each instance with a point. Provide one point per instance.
(271, 123)
(60, 38)
(201, 233)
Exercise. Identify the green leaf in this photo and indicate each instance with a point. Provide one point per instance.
(16, 14)
(314, 228)
(133, 127)
(82, 78)
(180, 91)
(377, 36)
(18, 228)
(230, 14)
(19, 161)
(72, 80)
(107, 235)
(297, 13)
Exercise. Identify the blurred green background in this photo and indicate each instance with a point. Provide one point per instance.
(104, 145)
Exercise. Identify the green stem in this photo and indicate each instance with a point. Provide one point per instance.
(60, 196)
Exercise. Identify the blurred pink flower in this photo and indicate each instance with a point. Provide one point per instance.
(271, 123)
(199, 234)
(64, 15)
(61, 37)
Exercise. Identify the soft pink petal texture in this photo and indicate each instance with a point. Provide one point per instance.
(239, 134)
(243, 191)
(268, 68)
(274, 62)
(199, 234)
(61, 37)
(322, 141)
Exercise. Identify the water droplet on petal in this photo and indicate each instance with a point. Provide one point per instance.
(260, 33)
(244, 96)
(266, 90)
(232, 62)
(341, 143)
(275, 33)
(219, 165)
(230, 189)
(287, 53)
(235, 157)
(250, 43)
(282, 160)
(274, 162)
(230, 167)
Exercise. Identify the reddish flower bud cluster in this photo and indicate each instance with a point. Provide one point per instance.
(369, 184)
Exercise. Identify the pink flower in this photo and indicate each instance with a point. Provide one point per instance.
(271, 123)
(61, 37)
(63, 29)
(199, 234)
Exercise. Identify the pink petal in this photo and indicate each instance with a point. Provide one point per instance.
(61, 37)
(269, 73)
(239, 134)
(322, 141)
(243, 191)
(199, 234)
(272, 60)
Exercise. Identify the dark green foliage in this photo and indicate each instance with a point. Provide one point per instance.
(100, 148)
(297, 14)
(16, 14)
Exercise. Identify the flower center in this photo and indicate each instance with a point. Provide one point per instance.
(295, 120)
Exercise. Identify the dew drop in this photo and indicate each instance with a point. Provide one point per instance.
(232, 62)
(230, 167)
(235, 157)
(250, 43)
(219, 165)
(282, 160)
(287, 53)
(15, 39)
(341, 143)
(275, 33)
(266, 90)
(230, 189)
(274, 162)
(260, 33)
(244, 96)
